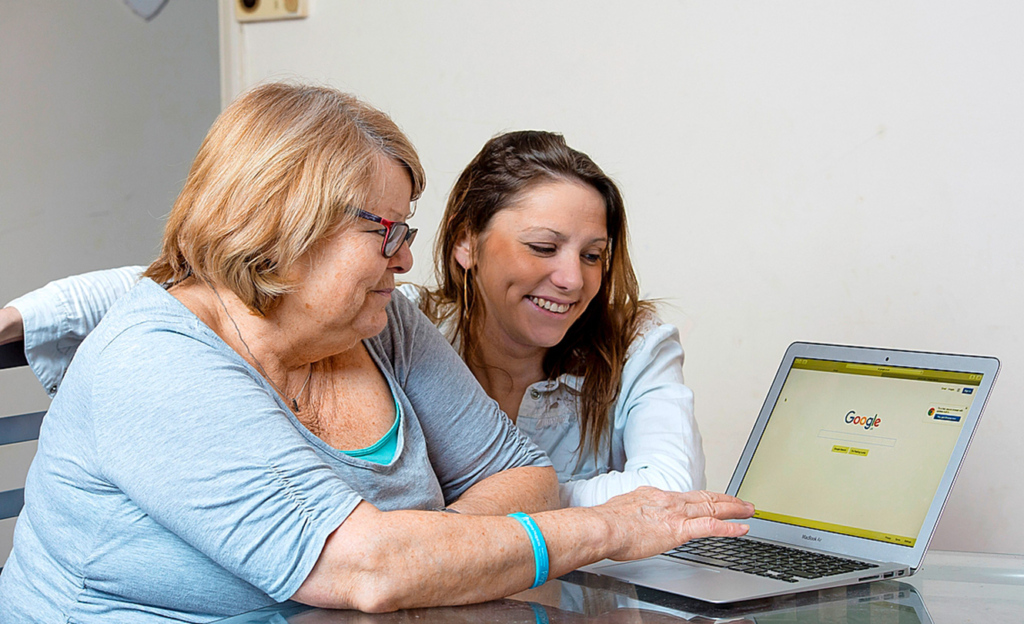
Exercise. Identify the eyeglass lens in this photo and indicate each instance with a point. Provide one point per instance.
(397, 234)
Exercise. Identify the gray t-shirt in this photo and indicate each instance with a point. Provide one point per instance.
(172, 482)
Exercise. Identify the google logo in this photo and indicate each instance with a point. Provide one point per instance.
(868, 422)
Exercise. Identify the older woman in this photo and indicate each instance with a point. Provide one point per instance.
(538, 294)
(262, 417)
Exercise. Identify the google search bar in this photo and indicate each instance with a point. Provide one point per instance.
(856, 438)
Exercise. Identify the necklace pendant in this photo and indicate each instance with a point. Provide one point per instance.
(295, 405)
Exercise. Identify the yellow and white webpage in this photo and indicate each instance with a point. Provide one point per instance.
(858, 449)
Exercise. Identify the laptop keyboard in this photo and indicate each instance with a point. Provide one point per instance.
(763, 559)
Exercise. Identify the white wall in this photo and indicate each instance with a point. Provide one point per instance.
(101, 114)
(825, 171)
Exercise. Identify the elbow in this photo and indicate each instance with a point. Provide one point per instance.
(550, 498)
(364, 590)
(357, 569)
(536, 488)
(367, 595)
(376, 598)
(545, 490)
(378, 587)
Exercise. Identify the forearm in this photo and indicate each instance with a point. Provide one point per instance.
(383, 561)
(406, 559)
(11, 327)
(529, 489)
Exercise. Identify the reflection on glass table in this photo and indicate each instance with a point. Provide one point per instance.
(956, 587)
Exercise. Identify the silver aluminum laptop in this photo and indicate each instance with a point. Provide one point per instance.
(853, 455)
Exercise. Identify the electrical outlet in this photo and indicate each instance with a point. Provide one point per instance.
(267, 10)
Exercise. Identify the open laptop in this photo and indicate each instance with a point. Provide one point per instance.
(850, 461)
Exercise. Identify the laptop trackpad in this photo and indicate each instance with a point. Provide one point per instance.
(653, 572)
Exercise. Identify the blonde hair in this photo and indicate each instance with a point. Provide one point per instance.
(276, 174)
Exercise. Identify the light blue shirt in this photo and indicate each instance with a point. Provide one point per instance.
(653, 438)
(171, 481)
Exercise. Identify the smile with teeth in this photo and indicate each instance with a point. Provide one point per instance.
(551, 306)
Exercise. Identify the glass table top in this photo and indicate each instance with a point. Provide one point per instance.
(951, 587)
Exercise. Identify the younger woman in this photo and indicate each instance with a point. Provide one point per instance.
(537, 292)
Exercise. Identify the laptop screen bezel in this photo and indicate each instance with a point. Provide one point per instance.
(848, 545)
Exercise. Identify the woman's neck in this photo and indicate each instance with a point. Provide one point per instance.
(505, 370)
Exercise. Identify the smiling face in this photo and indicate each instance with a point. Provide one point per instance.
(346, 282)
(538, 264)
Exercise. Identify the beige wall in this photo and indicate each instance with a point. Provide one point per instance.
(825, 171)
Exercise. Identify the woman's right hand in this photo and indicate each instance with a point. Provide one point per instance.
(11, 326)
(649, 521)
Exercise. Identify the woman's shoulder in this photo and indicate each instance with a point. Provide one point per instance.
(148, 334)
(145, 299)
(650, 331)
(654, 362)
(145, 313)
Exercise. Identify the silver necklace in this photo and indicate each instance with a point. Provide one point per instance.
(294, 400)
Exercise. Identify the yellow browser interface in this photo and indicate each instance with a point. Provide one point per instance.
(858, 449)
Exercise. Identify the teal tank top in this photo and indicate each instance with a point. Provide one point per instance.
(382, 451)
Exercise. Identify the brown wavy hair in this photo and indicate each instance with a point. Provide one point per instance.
(273, 177)
(595, 347)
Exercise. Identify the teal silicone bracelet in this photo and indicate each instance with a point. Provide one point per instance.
(540, 548)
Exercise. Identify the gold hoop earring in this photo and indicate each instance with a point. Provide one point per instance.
(465, 294)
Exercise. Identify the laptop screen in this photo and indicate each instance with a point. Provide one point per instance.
(858, 449)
